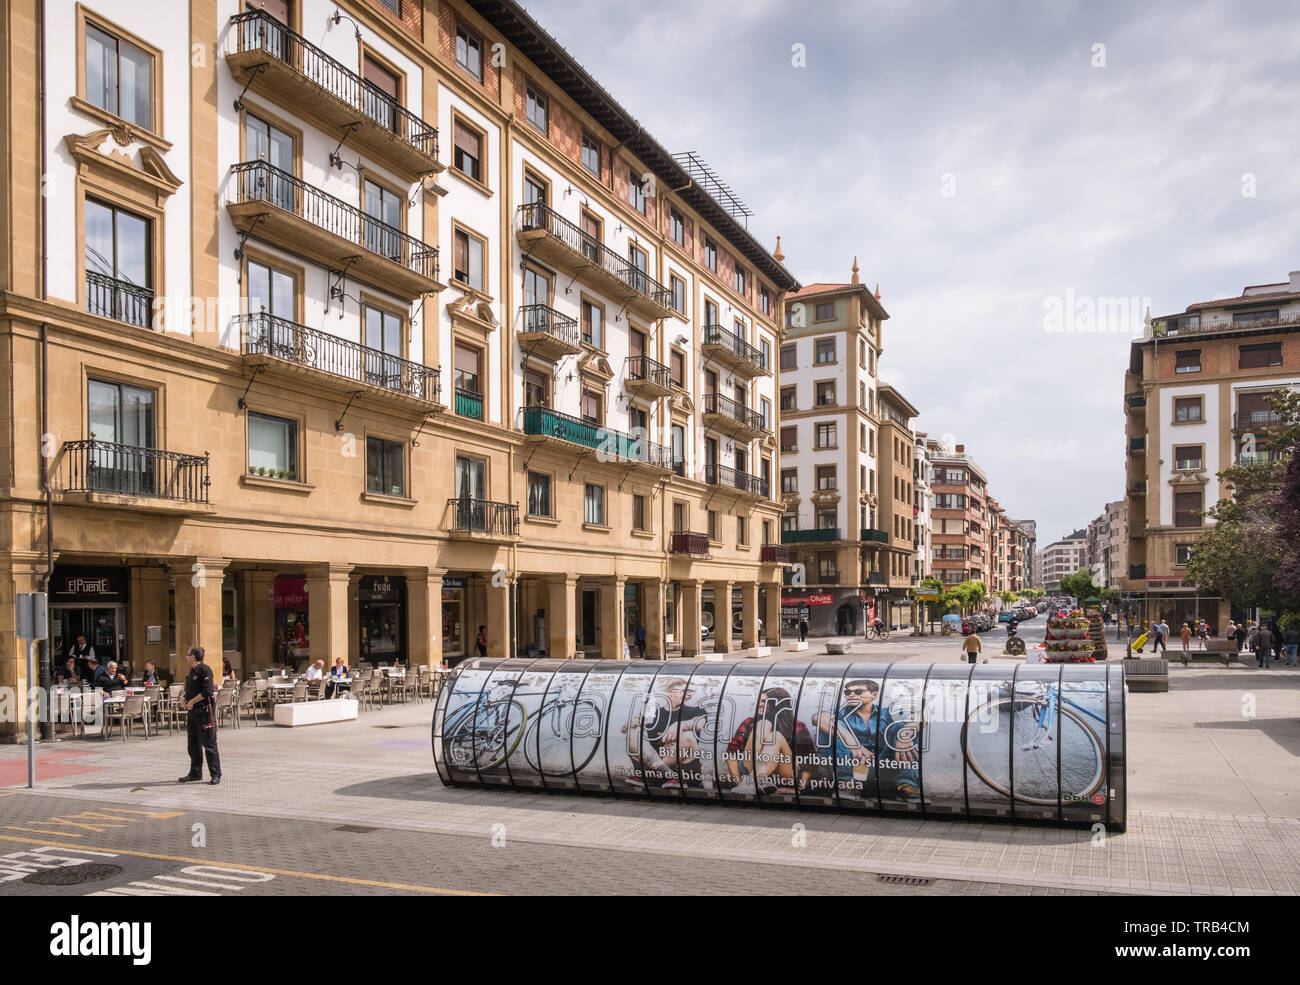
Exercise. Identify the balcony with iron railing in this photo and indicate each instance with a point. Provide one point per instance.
(871, 535)
(282, 65)
(288, 212)
(549, 237)
(468, 403)
(773, 554)
(731, 417)
(548, 333)
(610, 445)
(726, 347)
(819, 535)
(152, 477)
(1135, 401)
(1252, 419)
(119, 299)
(1137, 488)
(646, 377)
(1175, 328)
(687, 542)
(1136, 445)
(748, 485)
(482, 517)
(877, 578)
(277, 343)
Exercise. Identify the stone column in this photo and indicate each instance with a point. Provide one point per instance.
(499, 616)
(772, 617)
(653, 590)
(749, 614)
(424, 616)
(259, 621)
(721, 616)
(561, 604)
(328, 602)
(148, 608)
(688, 606)
(21, 573)
(197, 582)
(612, 635)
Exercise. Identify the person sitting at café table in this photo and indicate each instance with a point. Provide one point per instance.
(338, 678)
(109, 679)
(316, 671)
(68, 673)
(227, 671)
(90, 671)
(151, 674)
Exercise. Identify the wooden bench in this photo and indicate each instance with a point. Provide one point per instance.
(1146, 674)
(293, 713)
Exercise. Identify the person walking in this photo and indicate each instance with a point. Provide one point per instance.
(803, 629)
(202, 732)
(1291, 641)
(1157, 639)
(1264, 647)
(480, 642)
(1239, 634)
(1186, 636)
(640, 639)
(971, 646)
(1205, 633)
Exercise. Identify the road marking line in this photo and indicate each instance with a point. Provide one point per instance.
(291, 873)
(200, 882)
(61, 834)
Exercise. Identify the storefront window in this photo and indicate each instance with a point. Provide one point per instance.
(453, 619)
(382, 615)
(292, 643)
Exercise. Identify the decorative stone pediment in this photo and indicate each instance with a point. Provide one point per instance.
(1189, 480)
(473, 311)
(767, 443)
(106, 153)
(594, 364)
(682, 402)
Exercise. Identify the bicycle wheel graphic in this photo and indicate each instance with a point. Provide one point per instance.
(1083, 763)
(485, 740)
(582, 725)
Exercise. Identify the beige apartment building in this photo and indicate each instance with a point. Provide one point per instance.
(960, 535)
(346, 329)
(898, 511)
(1195, 402)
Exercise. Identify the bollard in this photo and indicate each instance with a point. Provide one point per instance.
(1041, 742)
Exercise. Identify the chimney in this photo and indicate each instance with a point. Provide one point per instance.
(1295, 281)
(961, 449)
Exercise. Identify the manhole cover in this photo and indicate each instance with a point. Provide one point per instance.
(906, 880)
(355, 829)
(72, 875)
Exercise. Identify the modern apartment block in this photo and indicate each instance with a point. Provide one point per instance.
(897, 509)
(1195, 400)
(1064, 557)
(346, 329)
(836, 508)
(1010, 552)
(1108, 545)
(959, 522)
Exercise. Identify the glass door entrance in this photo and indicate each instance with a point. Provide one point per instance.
(103, 626)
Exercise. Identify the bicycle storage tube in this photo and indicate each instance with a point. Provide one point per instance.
(1035, 743)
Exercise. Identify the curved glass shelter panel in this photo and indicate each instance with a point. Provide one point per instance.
(818, 706)
(706, 686)
(1040, 742)
(598, 692)
(1033, 717)
(738, 740)
(538, 715)
(670, 732)
(986, 742)
(943, 716)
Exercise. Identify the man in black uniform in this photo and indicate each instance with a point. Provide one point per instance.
(199, 691)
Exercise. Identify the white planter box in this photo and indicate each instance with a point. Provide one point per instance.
(292, 714)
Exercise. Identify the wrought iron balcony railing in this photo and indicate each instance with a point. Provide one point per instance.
(264, 334)
(773, 554)
(717, 335)
(874, 536)
(484, 516)
(119, 299)
(822, 535)
(545, 320)
(258, 181)
(649, 370)
(723, 475)
(131, 470)
(1245, 420)
(717, 403)
(545, 422)
(686, 542)
(256, 30)
(538, 216)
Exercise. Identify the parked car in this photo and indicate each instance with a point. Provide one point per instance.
(1006, 615)
(983, 622)
(952, 620)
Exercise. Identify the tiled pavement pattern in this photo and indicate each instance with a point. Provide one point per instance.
(433, 861)
(1213, 808)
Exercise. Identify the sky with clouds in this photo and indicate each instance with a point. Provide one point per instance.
(980, 160)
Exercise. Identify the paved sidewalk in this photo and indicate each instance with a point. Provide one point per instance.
(1213, 799)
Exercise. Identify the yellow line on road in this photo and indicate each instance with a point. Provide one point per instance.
(348, 880)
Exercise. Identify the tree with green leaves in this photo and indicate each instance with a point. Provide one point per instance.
(1079, 585)
(1008, 598)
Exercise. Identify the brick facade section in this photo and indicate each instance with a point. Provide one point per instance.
(412, 20)
(445, 47)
